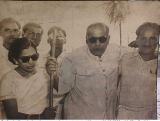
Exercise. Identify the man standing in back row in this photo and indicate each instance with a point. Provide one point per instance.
(9, 30)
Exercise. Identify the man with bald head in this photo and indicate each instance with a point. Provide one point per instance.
(97, 32)
(89, 76)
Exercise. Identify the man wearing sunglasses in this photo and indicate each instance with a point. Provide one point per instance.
(24, 90)
(89, 76)
(97, 40)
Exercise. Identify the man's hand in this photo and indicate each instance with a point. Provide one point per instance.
(49, 113)
(51, 65)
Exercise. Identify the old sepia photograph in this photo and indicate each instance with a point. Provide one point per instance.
(79, 60)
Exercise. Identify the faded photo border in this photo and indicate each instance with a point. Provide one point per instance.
(75, 16)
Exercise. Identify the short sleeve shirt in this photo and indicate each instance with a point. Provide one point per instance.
(30, 93)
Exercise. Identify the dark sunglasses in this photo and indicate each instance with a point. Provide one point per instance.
(94, 39)
(26, 59)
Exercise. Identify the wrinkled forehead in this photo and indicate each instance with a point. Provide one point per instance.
(10, 25)
(35, 29)
(149, 33)
(97, 31)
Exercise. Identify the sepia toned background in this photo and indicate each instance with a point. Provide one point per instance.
(74, 17)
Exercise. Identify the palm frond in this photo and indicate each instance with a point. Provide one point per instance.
(116, 10)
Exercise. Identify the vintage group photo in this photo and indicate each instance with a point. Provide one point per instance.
(79, 60)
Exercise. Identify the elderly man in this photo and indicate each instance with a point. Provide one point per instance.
(89, 77)
(138, 76)
(33, 32)
(9, 30)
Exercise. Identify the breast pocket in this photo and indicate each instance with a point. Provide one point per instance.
(85, 78)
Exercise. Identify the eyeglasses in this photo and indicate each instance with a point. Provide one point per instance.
(93, 40)
(26, 59)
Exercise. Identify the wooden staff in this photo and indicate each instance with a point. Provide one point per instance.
(52, 54)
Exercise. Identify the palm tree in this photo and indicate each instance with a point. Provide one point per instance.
(117, 12)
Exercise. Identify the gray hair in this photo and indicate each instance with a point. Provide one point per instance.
(9, 20)
(29, 25)
(148, 26)
(56, 28)
(142, 28)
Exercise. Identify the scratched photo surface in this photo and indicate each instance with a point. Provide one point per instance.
(79, 59)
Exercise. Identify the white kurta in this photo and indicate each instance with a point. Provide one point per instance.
(138, 88)
(91, 83)
(30, 93)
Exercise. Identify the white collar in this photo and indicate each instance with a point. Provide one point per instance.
(141, 59)
(96, 58)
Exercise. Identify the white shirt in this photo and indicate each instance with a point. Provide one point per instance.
(30, 93)
(91, 83)
(138, 87)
